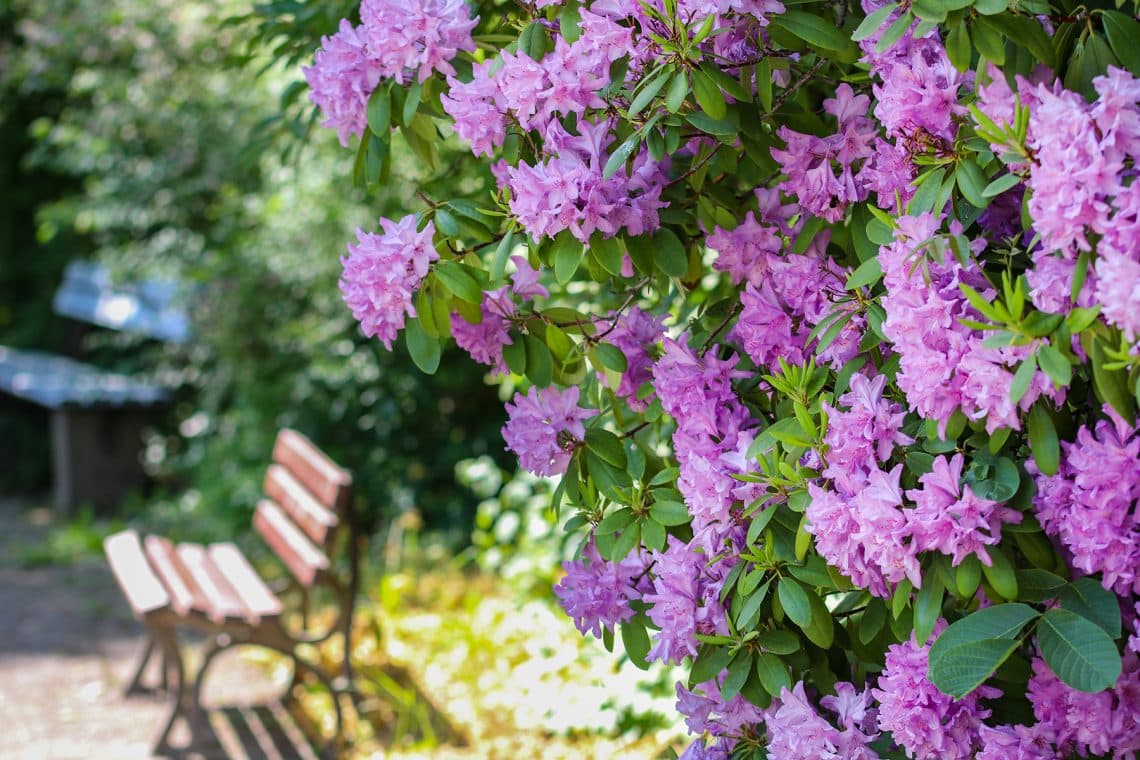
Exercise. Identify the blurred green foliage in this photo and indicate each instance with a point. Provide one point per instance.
(152, 145)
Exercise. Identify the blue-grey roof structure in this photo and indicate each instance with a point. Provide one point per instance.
(153, 308)
(56, 381)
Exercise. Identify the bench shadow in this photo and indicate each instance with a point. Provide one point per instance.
(271, 730)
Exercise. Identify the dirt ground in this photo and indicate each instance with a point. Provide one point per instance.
(67, 646)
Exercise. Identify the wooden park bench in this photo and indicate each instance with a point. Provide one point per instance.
(305, 520)
(97, 417)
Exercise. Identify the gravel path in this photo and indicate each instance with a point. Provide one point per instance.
(67, 645)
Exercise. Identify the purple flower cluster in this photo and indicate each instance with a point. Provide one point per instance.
(944, 365)
(596, 592)
(397, 39)
(535, 94)
(786, 295)
(706, 710)
(952, 519)
(485, 339)
(684, 600)
(917, 93)
(568, 191)
(637, 334)
(821, 171)
(797, 730)
(382, 272)
(924, 721)
(1091, 503)
(544, 427)
(1100, 723)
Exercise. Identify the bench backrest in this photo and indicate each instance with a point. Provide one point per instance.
(307, 500)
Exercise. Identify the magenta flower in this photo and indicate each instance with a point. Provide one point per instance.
(596, 593)
(412, 38)
(797, 730)
(341, 80)
(485, 340)
(544, 427)
(382, 272)
(952, 519)
(923, 720)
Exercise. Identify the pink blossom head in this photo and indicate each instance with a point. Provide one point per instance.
(544, 427)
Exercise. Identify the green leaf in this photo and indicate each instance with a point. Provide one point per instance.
(635, 639)
(379, 113)
(971, 182)
(423, 348)
(873, 22)
(1000, 185)
(1022, 379)
(539, 363)
(989, 40)
(621, 155)
(927, 607)
(709, 97)
(412, 97)
(669, 512)
(678, 91)
(773, 673)
(607, 252)
(502, 255)
(1043, 440)
(611, 357)
(964, 668)
(669, 253)
(820, 630)
(1078, 650)
(894, 32)
(1055, 365)
(1025, 31)
(649, 91)
(514, 354)
(965, 654)
(738, 671)
(652, 535)
(607, 446)
(1000, 573)
(967, 576)
(459, 281)
(872, 622)
(1090, 600)
(794, 600)
(812, 29)
(958, 47)
(867, 273)
(1111, 385)
(1124, 37)
(778, 641)
(615, 521)
(567, 254)
(1037, 585)
(711, 660)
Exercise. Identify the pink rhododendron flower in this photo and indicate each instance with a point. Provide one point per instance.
(382, 272)
(543, 428)
(596, 592)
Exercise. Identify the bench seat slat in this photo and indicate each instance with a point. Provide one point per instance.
(317, 520)
(224, 603)
(257, 597)
(325, 480)
(299, 554)
(185, 594)
(143, 589)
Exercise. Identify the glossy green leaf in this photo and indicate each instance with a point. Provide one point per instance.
(669, 512)
(1078, 651)
(1043, 440)
(1087, 598)
(812, 29)
(423, 348)
(773, 673)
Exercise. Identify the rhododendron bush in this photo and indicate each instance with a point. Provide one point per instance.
(827, 318)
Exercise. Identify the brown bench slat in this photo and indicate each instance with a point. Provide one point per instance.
(299, 554)
(325, 480)
(258, 599)
(223, 602)
(184, 592)
(317, 520)
(143, 589)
